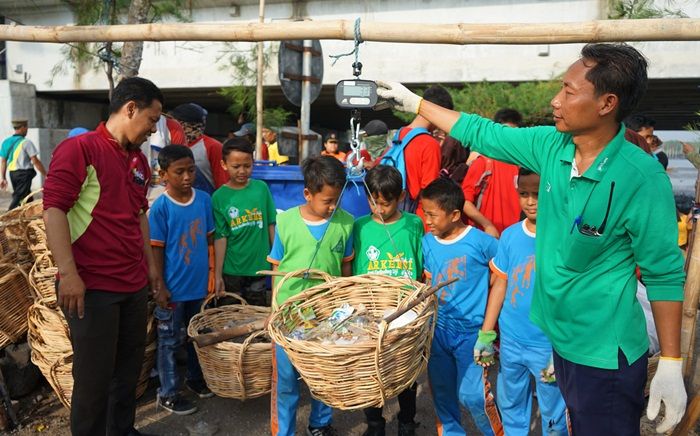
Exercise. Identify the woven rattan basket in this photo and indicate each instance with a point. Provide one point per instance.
(367, 373)
(13, 226)
(49, 339)
(35, 237)
(234, 370)
(42, 278)
(15, 300)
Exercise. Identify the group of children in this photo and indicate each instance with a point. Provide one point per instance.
(495, 282)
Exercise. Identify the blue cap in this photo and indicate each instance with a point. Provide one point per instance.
(77, 131)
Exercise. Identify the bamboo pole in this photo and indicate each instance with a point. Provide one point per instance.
(681, 29)
(259, 90)
(691, 294)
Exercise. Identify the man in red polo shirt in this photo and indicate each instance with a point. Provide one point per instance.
(95, 215)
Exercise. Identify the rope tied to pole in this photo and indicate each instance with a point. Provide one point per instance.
(356, 50)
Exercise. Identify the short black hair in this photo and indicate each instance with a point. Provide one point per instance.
(637, 122)
(446, 193)
(384, 180)
(171, 153)
(439, 95)
(522, 171)
(508, 115)
(137, 89)
(238, 143)
(619, 69)
(320, 171)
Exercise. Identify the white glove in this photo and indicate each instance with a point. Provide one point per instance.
(398, 96)
(667, 386)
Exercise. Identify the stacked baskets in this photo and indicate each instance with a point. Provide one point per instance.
(369, 372)
(15, 261)
(48, 333)
(234, 370)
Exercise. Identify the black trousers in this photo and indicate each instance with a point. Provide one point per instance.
(21, 185)
(600, 401)
(108, 346)
(407, 409)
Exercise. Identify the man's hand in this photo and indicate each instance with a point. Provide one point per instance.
(398, 96)
(667, 386)
(71, 295)
(687, 148)
(162, 297)
(483, 349)
(220, 287)
(3, 184)
(155, 280)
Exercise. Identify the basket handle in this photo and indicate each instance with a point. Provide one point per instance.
(226, 294)
(241, 354)
(30, 195)
(312, 273)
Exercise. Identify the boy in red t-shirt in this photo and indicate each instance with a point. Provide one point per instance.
(491, 200)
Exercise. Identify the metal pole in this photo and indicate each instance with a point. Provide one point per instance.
(306, 98)
(259, 91)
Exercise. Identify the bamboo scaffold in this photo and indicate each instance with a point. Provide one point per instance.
(682, 29)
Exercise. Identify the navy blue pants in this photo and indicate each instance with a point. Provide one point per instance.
(603, 401)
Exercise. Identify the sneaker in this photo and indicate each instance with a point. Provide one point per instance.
(200, 388)
(176, 405)
(407, 428)
(321, 431)
(374, 429)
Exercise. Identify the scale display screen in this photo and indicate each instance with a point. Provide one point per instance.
(356, 94)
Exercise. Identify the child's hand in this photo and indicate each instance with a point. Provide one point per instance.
(547, 374)
(162, 297)
(220, 287)
(483, 349)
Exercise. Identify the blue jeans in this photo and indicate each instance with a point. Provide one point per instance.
(171, 322)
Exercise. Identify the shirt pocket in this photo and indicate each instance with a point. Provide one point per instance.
(581, 251)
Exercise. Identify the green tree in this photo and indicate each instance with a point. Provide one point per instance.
(241, 61)
(122, 59)
(638, 9)
(531, 99)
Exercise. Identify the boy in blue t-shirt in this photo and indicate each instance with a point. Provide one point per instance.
(456, 250)
(525, 350)
(314, 235)
(182, 226)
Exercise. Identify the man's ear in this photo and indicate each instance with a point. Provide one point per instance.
(307, 194)
(607, 104)
(130, 108)
(456, 215)
(402, 196)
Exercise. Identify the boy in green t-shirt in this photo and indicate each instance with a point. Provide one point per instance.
(316, 235)
(399, 255)
(245, 226)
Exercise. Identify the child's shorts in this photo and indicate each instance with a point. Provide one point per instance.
(254, 290)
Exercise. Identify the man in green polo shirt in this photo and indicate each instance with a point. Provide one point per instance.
(604, 208)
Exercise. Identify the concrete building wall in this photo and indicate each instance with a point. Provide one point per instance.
(201, 64)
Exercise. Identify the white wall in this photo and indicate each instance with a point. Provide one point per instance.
(193, 64)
